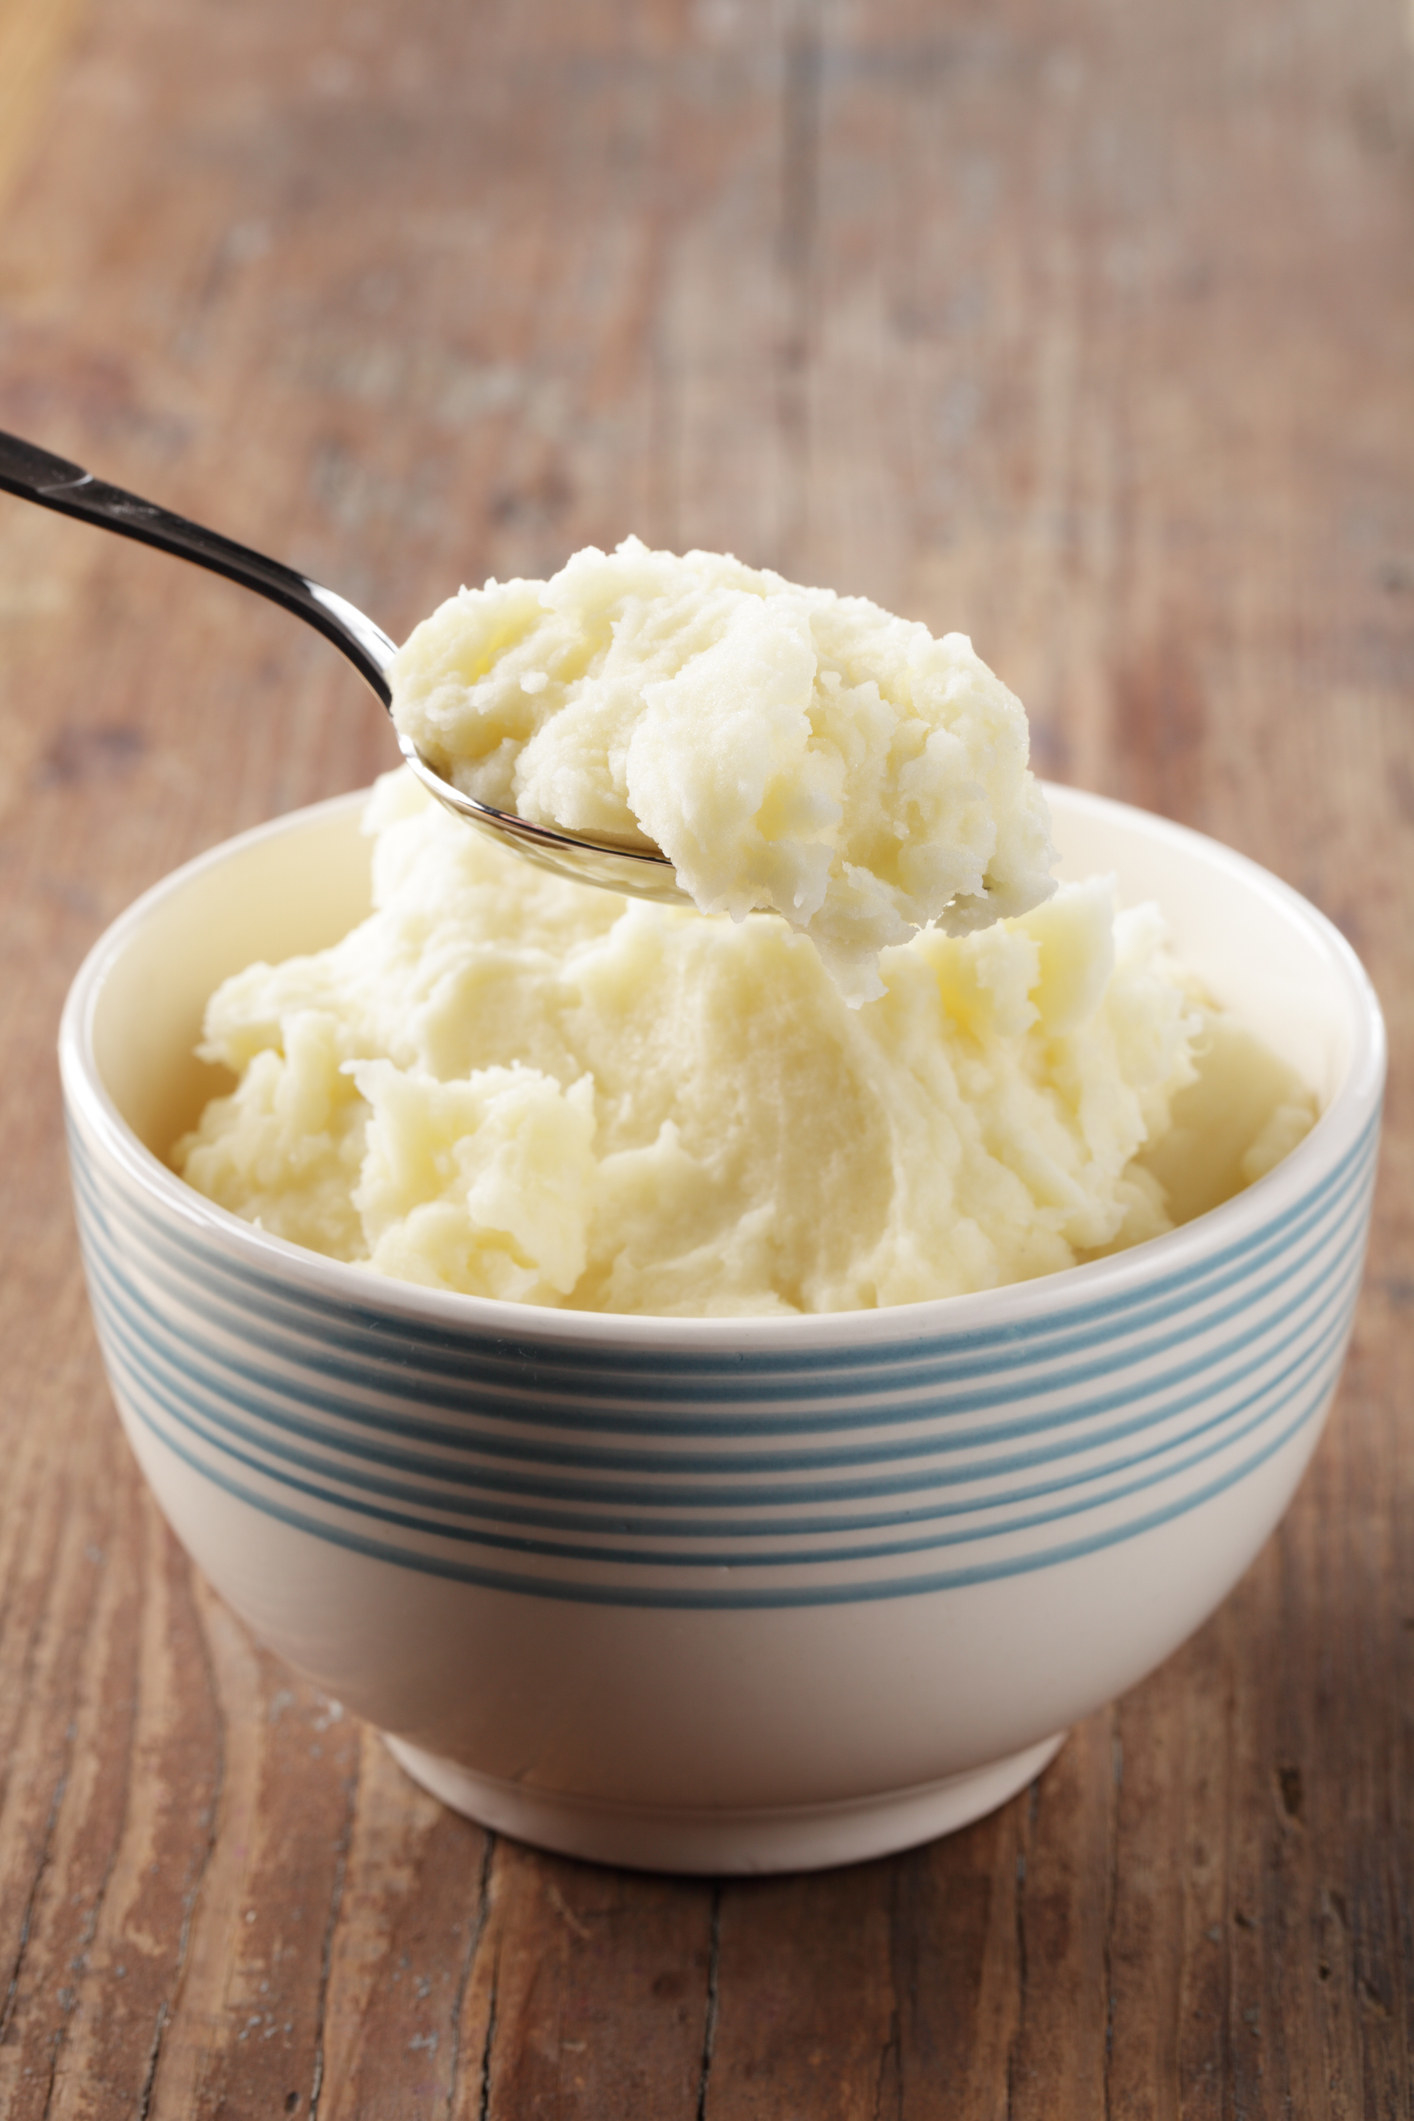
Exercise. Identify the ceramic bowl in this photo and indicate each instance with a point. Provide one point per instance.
(717, 1595)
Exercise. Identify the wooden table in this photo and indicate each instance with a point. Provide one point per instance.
(1088, 328)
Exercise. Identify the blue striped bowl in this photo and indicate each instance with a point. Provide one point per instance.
(717, 1594)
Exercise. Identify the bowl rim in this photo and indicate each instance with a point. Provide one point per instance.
(1165, 1259)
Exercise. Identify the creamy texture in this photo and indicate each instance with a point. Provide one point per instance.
(517, 1087)
(786, 748)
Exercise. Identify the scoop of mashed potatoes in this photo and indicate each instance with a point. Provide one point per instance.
(786, 748)
(517, 1087)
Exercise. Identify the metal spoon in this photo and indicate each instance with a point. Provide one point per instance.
(36, 475)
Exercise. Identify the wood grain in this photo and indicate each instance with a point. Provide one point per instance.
(1088, 329)
(34, 42)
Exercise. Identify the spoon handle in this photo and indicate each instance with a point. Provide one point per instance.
(36, 475)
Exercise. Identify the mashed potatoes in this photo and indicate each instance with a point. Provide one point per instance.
(518, 1087)
(786, 748)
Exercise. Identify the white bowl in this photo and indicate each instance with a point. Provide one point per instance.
(717, 1595)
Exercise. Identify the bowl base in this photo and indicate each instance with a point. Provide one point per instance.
(789, 1838)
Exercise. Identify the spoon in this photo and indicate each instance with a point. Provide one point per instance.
(35, 475)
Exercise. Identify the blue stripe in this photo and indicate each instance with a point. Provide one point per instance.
(459, 1349)
(584, 1362)
(278, 1386)
(523, 1411)
(612, 1516)
(756, 1598)
(215, 1431)
(150, 1358)
(1322, 1359)
(215, 1381)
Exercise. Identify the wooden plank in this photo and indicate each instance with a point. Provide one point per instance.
(35, 40)
(591, 1996)
(1086, 329)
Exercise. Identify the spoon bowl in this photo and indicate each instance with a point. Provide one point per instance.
(35, 474)
(637, 872)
